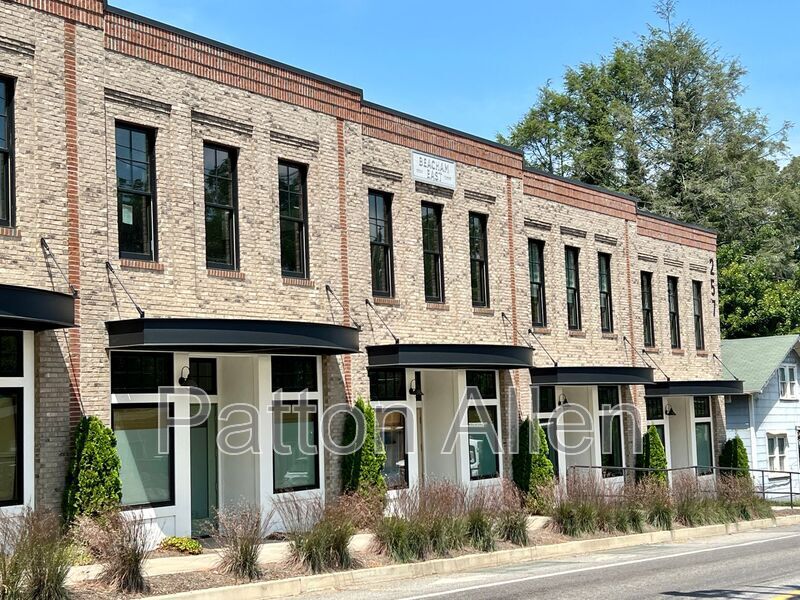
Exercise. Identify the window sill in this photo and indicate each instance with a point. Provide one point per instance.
(577, 333)
(225, 274)
(678, 352)
(789, 399)
(11, 233)
(610, 336)
(482, 311)
(384, 301)
(298, 282)
(651, 350)
(142, 265)
(437, 306)
(702, 353)
(542, 330)
(779, 477)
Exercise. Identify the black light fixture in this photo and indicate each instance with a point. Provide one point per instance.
(669, 411)
(415, 389)
(184, 379)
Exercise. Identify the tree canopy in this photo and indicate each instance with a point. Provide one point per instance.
(661, 118)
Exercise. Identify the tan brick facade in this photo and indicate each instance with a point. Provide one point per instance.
(117, 67)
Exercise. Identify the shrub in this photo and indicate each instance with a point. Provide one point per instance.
(93, 484)
(657, 502)
(512, 518)
(12, 559)
(577, 507)
(362, 470)
(366, 508)
(740, 500)
(400, 539)
(121, 545)
(47, 553)
(654, 456)
(240, 532)
(532, 470)
(480, 520)
(184, 545)
(441, 512)
(734, 456)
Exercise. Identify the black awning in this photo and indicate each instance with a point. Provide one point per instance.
(32, 308)
(231, 335)
(592, 376)
(450, 356)
(719, 387)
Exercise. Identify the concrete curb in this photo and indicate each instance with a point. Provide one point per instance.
(444, 566)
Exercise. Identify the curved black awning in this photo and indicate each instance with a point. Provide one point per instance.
(718, 387)
(36, 309)
(450, 356)
(231, 335)
(592, 375)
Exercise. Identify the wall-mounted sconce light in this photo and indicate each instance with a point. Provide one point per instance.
(415, 389)
(669, 411)
(184, 379)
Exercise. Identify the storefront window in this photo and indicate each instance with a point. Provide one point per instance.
(141, 372)
(147, 474)
(483, 462)
(10, 354)
(294, 373)
(611, 454)
(387, 384)
(547, 399)
(10, 446)
(485, 381)
(295, 449)
(702, 433)
(392, 427)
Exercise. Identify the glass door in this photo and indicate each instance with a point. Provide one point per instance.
(203, 449)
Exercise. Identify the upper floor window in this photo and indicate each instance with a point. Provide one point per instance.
(294, 219)
(776, 450)
(136, 192)
(6, 152)
(478, 263)
(674, 313)
(219, 170)
(697, 302)
(432, 252)
(141, 372)
(787, 378)
(380, 243)
(536, 269)
(571, 255)
(647, 310)
(606, 305)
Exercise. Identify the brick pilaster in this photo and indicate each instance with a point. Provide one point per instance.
(347, 366)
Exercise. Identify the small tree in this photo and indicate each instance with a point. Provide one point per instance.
(362, 470)
(654, 456)
(93, 482)
(531, 467)
(734, 456)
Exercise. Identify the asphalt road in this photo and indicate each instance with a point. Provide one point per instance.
(757, 564)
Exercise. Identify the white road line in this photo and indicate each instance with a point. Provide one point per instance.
(595, 568)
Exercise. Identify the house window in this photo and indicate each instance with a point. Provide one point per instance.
(11, 458)
(573, 288)
(141, 372)
(380, 243)
(697, 301)
(647, 310)
(147, 463)
(296, 451)
(6, 152)
(776, 450)
(203, 374)
(392, 428)
(485, 381)
(546, 399)
(478, 262)
(219, 170)
(787, 375)
(294, 219)
(606, 305)
(674, 314)
(703, 435)
(387, 384)
(484, 463)
(611, 457)
(294, 373)
(536, 270)
(607, 396)
(655, 416)
(136, 192)
(11, 354)
(432, 252)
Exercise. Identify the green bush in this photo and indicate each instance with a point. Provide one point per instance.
(654, 456)
(184, 545)
(734, 456)
(93, 483)
(325, 546)
(403, 540)
(532, 470)
(362, 470)
(48, 556)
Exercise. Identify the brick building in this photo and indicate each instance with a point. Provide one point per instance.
(175, 212)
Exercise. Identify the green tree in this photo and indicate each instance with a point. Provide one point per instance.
(93, 482)
(362, 470)
(734, 456)
(531, 467)
(654, 456)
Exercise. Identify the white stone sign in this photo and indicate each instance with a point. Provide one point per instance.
(433, 170)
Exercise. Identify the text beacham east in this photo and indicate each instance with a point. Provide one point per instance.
(433, 170)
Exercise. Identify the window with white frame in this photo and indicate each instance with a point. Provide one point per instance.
(787, 377)
(703, 432)
(777, 443)
(612, 457)
(482, 424)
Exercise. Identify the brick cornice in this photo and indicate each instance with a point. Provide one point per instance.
(574, 194)
(84, 12)
(669, 231)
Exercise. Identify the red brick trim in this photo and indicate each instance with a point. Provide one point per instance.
(383, 301)
(678, 352)
(542, 330)
(347, 363)
(512, 267)
(610, 336)
(676, 233)
(225, 274)
(141, 265)
(571, 194)
(298, 282)
(483, 312)
(85, 12)
(73, 214)
(10, 232)
(437, 306)
(576, 333)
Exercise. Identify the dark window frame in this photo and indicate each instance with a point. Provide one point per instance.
(294, 359)
(19, 423)
(7, 154)
(538, 310)
(169, 356)
(152, 196)
(377, 385)
(20, 354)
(315, 420)
(479, 261)
(380, 415)
(573, 251)
(171, 433)
(193, 376)
(697, 305)
(437, 254)
(479, 379)
(233, 155)
(305, 272)
(606, 296)
(386, 246)
(492, 410)
(673, 306)
(648, 322)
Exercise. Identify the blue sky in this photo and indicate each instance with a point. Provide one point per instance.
(476, 66)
